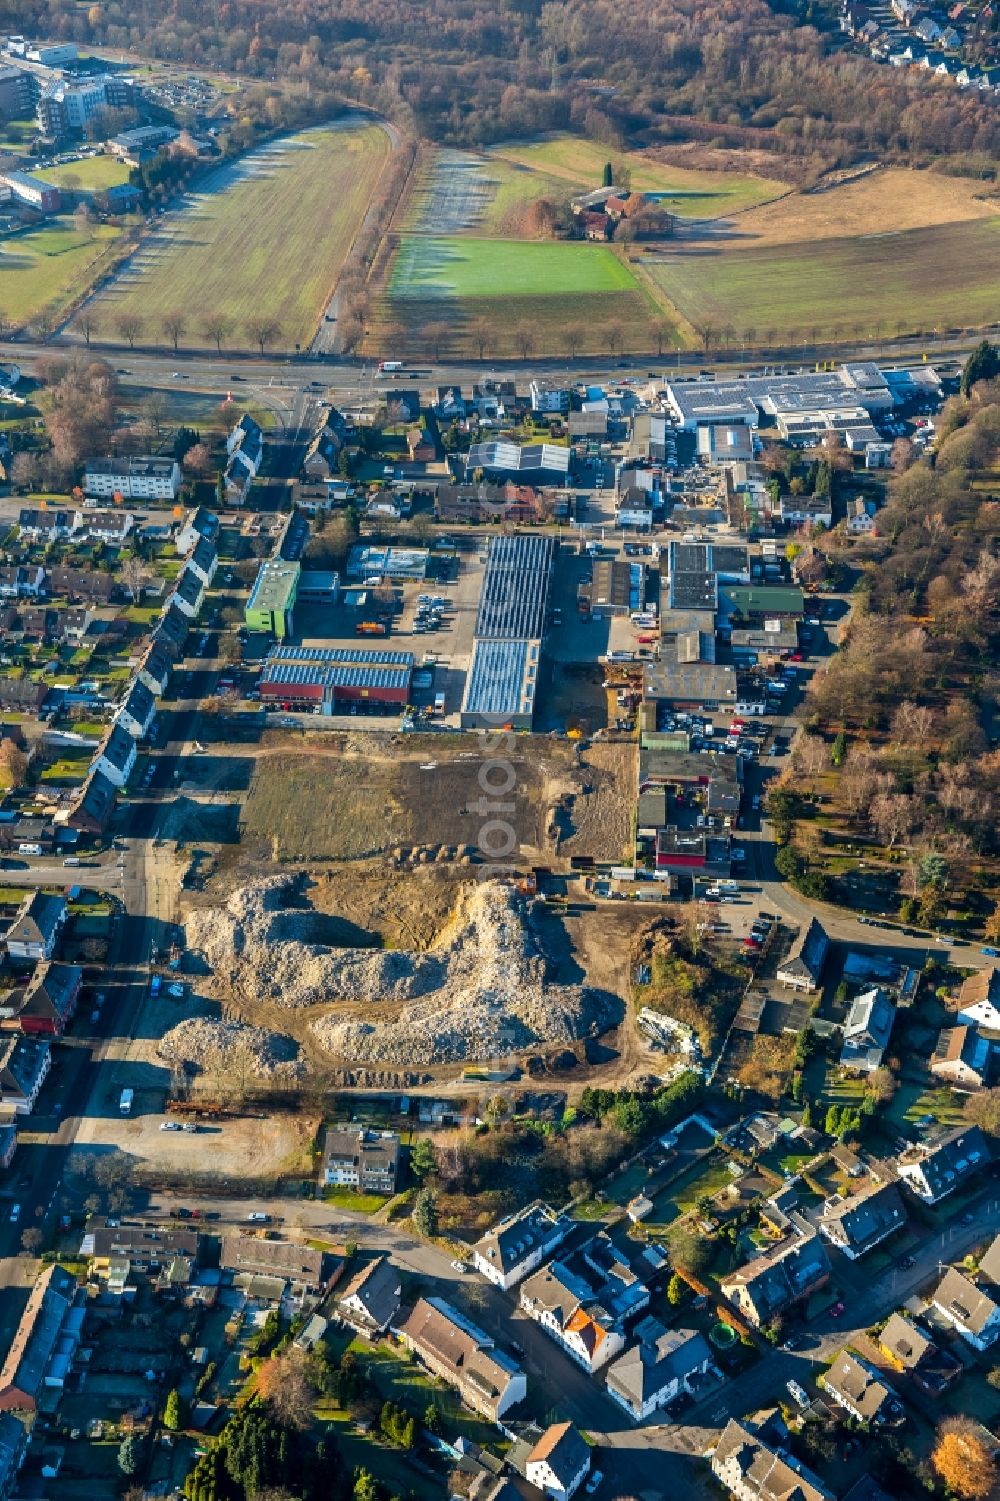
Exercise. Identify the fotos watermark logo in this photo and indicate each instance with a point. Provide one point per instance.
(497, 839)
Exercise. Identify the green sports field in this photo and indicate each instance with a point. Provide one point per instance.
(505, 297)
(92, 174)
(264, 238)
(459, 266)
(916, 280)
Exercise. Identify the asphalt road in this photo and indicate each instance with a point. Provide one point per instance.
(348, 377)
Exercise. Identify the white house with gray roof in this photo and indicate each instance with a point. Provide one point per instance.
(933, 1170)
(968, 1308)
(519, 1244)
(661, 1364)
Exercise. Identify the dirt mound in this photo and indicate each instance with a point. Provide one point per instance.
(480, 993)
(219, 1044)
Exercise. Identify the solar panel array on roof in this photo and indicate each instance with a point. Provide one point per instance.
(503, 678)
(515, 588)
(346, 675)
(336, 655)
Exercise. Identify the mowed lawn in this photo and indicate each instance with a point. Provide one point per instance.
(92, 174)
(266, 238)
(917, 280)
(42, 269)
(688, 193)
(459, 266)
(536, 296)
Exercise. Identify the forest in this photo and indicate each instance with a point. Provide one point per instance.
(648, 71)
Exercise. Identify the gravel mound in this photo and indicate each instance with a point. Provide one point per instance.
(214, 1044)
(481, 993)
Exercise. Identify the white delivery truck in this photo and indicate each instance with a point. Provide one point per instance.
(125, 1103)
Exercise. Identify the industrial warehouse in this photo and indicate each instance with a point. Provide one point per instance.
(503, 674)
(329, 679)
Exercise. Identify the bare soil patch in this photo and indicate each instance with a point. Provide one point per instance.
(354, 797)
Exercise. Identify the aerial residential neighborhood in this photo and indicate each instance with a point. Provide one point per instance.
(500, 753)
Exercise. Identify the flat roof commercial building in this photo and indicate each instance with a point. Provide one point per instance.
(323, 677)
(501, 685)
(515, 588)
(272, 598)
(43, 196)
(696, 402)
(531, 463)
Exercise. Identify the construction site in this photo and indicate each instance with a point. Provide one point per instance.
(486, 989)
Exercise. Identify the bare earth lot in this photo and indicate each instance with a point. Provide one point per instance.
(275, 1146)
(352, 797)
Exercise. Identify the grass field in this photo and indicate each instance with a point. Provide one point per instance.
(45, 268)
(894, 198)
(263, 239)
(92, 174)
(579, 163)
(547, 291)
(515, 187)
(915, 280)
(461, 267)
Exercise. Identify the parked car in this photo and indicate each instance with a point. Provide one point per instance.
(798, 1394)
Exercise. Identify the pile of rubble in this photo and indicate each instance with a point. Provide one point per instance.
(217, 1045)
(480, 993)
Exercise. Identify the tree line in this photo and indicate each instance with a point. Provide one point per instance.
(472, 73)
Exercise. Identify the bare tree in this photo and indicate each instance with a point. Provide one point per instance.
(135, 576)
(216, 326)
(524, 339)
(174, 325)
(263, 331)
(574, 335)
(352, 331)
(198, 460)
(154, 407)
(811, 756)
(662, 333)
(481, 333)
(615, 335)
(13, 763)
(130, 326)
(285, 1384)
(434, 336)
(89, 324)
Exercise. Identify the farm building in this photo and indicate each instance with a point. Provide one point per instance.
(272, 598)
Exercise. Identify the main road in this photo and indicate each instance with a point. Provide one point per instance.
(347, 377)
